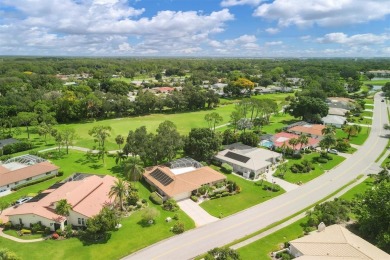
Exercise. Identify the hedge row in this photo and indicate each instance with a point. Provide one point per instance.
(17, 147)
(33, 182)
(155, 198)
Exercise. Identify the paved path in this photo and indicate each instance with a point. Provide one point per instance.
(200, 240)
(197, 213)
(287, 186)
(18, 239)
(220, 126)
(78, 148)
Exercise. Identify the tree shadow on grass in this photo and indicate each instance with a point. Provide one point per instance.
(145, 224)
(96, 166)
(117, 169)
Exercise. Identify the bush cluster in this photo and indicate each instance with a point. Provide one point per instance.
(155, 198)
(226, 168)
(178, 228)
(171, 205)
(194, 198)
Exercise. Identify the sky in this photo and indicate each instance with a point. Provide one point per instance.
(196, 28)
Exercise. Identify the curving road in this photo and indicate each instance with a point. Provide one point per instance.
(200, 240)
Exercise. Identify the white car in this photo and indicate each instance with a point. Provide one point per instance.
(334, 151)
(22, 200)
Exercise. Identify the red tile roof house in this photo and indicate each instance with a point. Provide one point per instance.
(282, 138)
(314, 130)
(87, 197)
(22, 169)
(178, 183)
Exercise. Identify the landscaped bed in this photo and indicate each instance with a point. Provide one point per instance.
(319, 168)
(252, 193)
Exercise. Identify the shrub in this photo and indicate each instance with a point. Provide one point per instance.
(155, 198)
(132, 198)
(25, 231)
(171, 205)
(195, 198)
(60, 173)
(59, 232)
(55, 236)
(150, 214)
(307, 151)
(218, 195)
(216, 162)
(226, 168)
(224, 194)
(297, 156)
(144, 201)
(7, 225)
(322, 160)
(176, 217)
(4, 158)
(178, 228)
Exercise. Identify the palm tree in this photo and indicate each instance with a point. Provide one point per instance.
(133, 168)
(119, 157)
(329, 129)
(119, 191)
(328, 141)
(63, 207)
(303, 139)
(293, 142)
(120, 139)
(352, 130)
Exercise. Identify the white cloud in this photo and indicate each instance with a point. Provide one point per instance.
(272, 30)
(274, 43)
(228, 3)
(86, 27)
(323, 12)
(357, 39)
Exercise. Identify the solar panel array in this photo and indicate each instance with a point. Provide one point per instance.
(56, 185)
(161, 177)
(237, 157)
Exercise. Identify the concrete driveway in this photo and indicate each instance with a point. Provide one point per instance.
(194, 211)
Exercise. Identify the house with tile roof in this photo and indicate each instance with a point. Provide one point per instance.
(22, 169)
(178, 180)
(313, 130)
(248, 160)
(335, 242)
(87, 197)
(282, 138)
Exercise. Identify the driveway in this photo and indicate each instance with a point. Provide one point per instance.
(194, 211)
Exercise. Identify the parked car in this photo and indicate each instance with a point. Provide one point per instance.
(22, 200)
(333, 151)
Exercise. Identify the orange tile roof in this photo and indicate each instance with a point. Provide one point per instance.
(308, 129)
(26, 172)
(87, 197)
(184, 182)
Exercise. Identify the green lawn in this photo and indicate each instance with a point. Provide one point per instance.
(251, 194)
(367, 113)
(130, 238)
(369, 101)
(380, 82)
(183, 121)
(358, 189)
(278, 121)
(319, 168)
(262, 248)
(359, 139)
(14, 233)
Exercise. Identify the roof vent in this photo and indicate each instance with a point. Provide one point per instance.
(321, 227)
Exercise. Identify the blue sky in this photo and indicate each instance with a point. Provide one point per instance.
(217, 28)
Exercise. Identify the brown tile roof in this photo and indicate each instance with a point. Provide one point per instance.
(26, 172)
(184, 182)
(337, 241)
(87, 197)
(308, 129)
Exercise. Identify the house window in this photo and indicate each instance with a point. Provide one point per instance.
(81, 221)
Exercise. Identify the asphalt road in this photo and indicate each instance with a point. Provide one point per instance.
(220, 233)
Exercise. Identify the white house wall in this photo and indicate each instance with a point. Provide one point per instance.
(11, 185)
(28, 219)
(73, 218)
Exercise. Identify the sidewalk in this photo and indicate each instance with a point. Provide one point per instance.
(287, 186)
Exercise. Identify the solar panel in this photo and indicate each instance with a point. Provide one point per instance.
(161, 177)
(237, 157)
(38, 197)
(56, 185)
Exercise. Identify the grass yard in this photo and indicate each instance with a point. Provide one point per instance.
(367, 113)
(262, 248)
(359, 139)
(369, 101)
(252, 193)
(14, 233)
(380, 82)
(130, 238)
(278, 121)
(183, 121)
(358, 189)
(319, 168)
